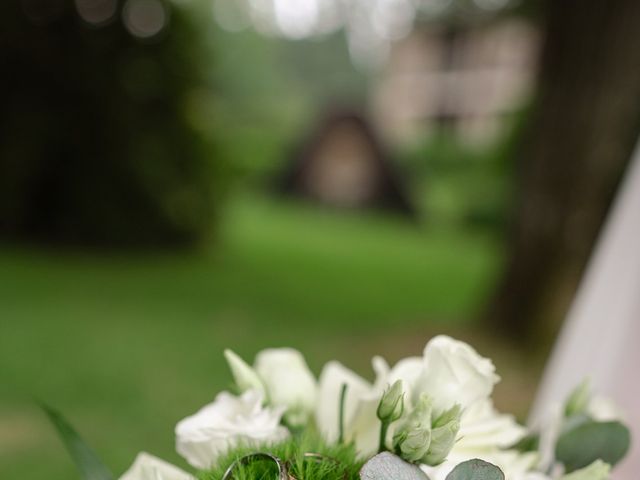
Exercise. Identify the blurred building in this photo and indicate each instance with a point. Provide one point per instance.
(343, 164)
(467, 79)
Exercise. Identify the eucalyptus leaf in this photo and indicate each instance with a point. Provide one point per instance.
(589, 441)
(85, 459)
(387, 466)
(475, 469)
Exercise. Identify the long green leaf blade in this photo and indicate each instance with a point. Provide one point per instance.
(85, 459)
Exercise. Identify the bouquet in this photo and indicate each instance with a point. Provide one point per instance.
(425, 418)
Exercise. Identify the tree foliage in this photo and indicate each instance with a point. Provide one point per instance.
(104, 137)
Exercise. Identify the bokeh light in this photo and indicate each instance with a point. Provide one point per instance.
(97, 12)
(145, 18)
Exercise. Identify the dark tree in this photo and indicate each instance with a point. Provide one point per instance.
(575, 149)
(99, 135)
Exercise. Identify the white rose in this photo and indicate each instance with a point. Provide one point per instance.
(454, 373)
(285, 378)
(148, 467)
(289, 382)
(226, 423)
(450, 372)
(483, 428)
(409, 371)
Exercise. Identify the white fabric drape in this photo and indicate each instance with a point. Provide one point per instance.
(601, 335)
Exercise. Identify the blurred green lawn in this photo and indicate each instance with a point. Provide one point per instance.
(126, 345)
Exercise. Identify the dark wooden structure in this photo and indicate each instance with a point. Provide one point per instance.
(344, 165)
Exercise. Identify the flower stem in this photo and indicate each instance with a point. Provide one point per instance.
(343, 396)
(384, 426)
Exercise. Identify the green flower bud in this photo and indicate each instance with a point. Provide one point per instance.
(391, 404)
(443, 436)
(578, 400)
(413, 436)
(413, 445)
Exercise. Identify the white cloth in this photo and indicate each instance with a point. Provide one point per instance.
(601, 336)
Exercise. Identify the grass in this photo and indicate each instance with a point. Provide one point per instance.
(330, 462)
(125, 345)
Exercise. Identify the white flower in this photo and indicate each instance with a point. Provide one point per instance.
(226, 423)
(454, 373)
(361, 423)
(148, 467)
(604, 409)
(450, 372)
(283, 375)
(483, 428)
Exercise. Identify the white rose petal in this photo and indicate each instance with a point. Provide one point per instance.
(409, 371)
(361, 401)
(289, 382)
(226, 423)
(482, 427)
(454, 373)
(604, 409)
(148, 467)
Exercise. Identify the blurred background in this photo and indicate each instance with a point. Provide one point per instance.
(347, 177)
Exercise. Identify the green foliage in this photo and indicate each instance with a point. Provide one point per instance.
(104, 137)
(85, 459)
(475, 470)
(587, 441)
(528, 443)
(341, 462)
(333, 286)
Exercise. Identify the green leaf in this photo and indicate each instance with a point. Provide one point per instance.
(475, 469)
(87, 462)
(387, 466)
(589, 441)
(578, 399)
(528, 443)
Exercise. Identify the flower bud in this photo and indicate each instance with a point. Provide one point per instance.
(246, 377)
(413, 445)
(443, 435)
(413, 436)
(391, 404)
(578, 400)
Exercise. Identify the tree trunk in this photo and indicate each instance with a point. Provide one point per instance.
(579, 139)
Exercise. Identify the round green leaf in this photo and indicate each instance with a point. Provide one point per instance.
(475, 469)
(589, 441)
